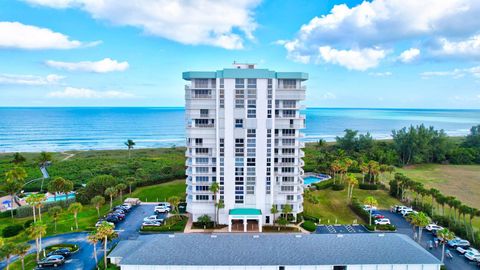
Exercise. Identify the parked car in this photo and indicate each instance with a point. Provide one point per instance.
(160, 209)
(382, 221)
(151, 223)
(119, 213)
(120, 217)
(119, 209)
(406, 212)
(101, 221)
(153, 218)
(112, 219)
(65, 252)
(473, 256)
(127, 206)
(458, 242)
(367, 207)
(399, 208)
(463, 250)
(378, 216)
(431, 227)
(165, 205)
(55, 260)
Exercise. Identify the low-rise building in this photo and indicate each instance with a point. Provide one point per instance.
(362, 251)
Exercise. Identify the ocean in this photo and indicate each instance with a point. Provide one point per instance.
(62, 129)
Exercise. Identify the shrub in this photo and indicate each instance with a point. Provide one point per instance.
(338, 187)
(26, 210)
(357, 207)
(27, 223)
(12, 230)
(324, 184)
(367, 186)
(7, 213)
(310, 218)
(309, 226)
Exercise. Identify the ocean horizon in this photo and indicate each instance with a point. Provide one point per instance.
(33, 129)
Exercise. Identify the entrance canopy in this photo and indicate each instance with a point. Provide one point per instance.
(245, 215)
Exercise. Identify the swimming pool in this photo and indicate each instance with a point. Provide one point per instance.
(60, 197)
(314, 178)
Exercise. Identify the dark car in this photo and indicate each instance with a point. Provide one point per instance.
(112, 218)
(121, 215)
(120, 209)
(55, 260)
(117, 215)
(65, 252)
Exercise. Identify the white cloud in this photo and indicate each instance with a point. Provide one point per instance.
(328, 95)
(85, 93)
(208, 22)
(409, 55)
(352, 59)
(469, 47)
(384, 24)
(455, 73)
(102, 66)
(32, 80)
(380, 74)
(22, 36)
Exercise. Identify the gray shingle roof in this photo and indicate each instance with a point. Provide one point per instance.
(272, 249)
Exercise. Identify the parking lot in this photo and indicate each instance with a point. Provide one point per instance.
(341, 229)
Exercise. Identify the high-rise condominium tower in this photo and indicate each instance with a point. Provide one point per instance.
(243, 132)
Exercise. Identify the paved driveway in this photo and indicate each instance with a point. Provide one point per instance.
(83, 259)
(458, 262)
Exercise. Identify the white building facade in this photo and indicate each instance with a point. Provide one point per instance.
(243, 131)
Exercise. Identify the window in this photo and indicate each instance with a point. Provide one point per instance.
(202, 93)
(201, 169)
(201, 151)
(252, 83)
(290, 197)
(201, 160)
(251, 113)
(289, 84)
(281, 268)
(201, 83)
(239, 83)
(201, 197)
(338, 267)
(251, 133)
(239, 123)
(239, 103)
(201, 178)
(288, 188)
(201, 188)
(203, 112)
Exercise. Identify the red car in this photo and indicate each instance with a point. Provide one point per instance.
(378, 216)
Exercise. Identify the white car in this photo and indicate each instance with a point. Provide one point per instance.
(463, 250)
(367, 207)
(101, 221)
(431, 227)
(127, 206)
(406, 212)
(153, 218)
(165, 205)
(382, 221)
(399, 208)
(161, 209)
(151, 223)
(472, 256)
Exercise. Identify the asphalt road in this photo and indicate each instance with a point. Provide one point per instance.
(457, 263)
(83, 258)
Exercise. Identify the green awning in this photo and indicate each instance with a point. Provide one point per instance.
(245, 212)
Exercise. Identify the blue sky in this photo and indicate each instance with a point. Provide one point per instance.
(381, 53)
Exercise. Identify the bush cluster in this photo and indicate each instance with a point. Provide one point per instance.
(309, 226)
(324, 184)
(368, 186)
(338, 187)
(27, 211)
(12, 230)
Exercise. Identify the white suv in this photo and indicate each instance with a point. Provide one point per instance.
(382, 221)
(431, 227)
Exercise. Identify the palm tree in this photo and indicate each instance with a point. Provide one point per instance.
(7, 251)
(220, 205)
(364, 170)
(104, 232)
(32, 201)
(286, 210)
(420, 220)
(214, 188)
(129, 143)
(18, 158)
(472, 213)
(92, 238)
(36, 230)
(54, 212)
(130, 181)
(98, 201)
(21, 250)
(274, 212)
(352, 181)
(446, 235)
(14, 181)
(55, 186)
(174, 200)
(121, 187)
(372, 202)
(44, 158)
(75, 208)
(39, 204)
(111, 192)
(67, 188)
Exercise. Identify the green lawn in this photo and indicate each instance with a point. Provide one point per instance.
(30, 263)
(161, 192)
(333, 205)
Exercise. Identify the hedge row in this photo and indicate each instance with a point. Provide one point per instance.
(368, 186)
(309, 226)
(27, 211)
